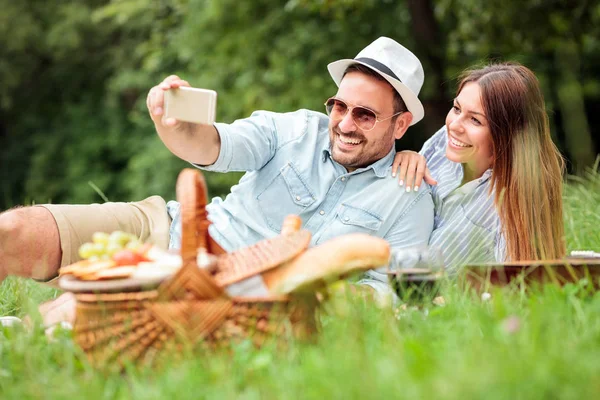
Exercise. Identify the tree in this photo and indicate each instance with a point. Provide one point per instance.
(75, 75)
(551, 38)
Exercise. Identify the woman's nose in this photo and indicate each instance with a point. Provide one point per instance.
(456, 124)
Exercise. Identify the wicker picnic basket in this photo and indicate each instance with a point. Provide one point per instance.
(192, 308)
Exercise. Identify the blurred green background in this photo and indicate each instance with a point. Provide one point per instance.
(74, 76)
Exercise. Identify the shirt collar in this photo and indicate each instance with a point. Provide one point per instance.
(326, 152)
(380, 167)
(453, 177)
(459, 173)
(486, 176)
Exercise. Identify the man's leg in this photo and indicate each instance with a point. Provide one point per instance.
(36, 241)
(29, 243)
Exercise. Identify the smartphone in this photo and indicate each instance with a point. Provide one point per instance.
(191, 105)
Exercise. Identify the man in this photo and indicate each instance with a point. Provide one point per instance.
(334, 172)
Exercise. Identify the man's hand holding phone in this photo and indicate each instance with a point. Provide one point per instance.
(183, 117)
(174, 100)
(156, 99)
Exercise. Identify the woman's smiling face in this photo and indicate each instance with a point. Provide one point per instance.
(469, 135)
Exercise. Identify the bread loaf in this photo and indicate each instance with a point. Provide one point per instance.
(335, 259)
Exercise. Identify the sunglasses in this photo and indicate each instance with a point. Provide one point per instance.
(362, 117)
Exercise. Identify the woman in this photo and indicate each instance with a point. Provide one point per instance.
(499, 196)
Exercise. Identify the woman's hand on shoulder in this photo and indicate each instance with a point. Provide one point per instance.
(411, 168)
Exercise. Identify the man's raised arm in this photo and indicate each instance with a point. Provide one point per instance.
(196, 143)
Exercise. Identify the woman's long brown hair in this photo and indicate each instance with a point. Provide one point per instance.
(527, 171)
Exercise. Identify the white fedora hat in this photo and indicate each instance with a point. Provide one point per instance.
(396, 64)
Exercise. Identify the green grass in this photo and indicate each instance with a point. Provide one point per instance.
(465, 349)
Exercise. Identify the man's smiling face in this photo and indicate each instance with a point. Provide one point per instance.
(350, 146)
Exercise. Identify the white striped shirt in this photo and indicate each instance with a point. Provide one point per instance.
(466, 224)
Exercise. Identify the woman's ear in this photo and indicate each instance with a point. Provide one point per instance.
(402, 123)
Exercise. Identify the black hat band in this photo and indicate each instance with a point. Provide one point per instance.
(378, 66)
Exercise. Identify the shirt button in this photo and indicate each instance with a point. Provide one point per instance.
(346, 219)
(297, 197)
(343, 178)
(322, 212)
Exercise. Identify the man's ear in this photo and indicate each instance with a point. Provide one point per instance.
(402, 123)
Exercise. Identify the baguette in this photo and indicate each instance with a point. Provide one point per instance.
(333, 260)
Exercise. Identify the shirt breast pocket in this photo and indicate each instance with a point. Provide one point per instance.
(286, 194)
(351, 219)
(481, 232)
(481, 214)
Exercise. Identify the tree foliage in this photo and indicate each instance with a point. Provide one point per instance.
(75, 75)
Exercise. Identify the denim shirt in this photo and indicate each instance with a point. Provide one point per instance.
(467, 227)
(290, 171)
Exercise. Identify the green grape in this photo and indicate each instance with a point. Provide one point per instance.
(94, 258)
(86, 250)
(100, 237)
(134, 244)
(113, 247)
(119, 237)
(98, 249)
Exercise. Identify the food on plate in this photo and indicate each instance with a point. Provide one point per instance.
(87, 269)
(104, 245)
(116, 272)
(128, 257)
(121, 255)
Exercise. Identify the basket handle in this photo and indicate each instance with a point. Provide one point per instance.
(191, 193)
